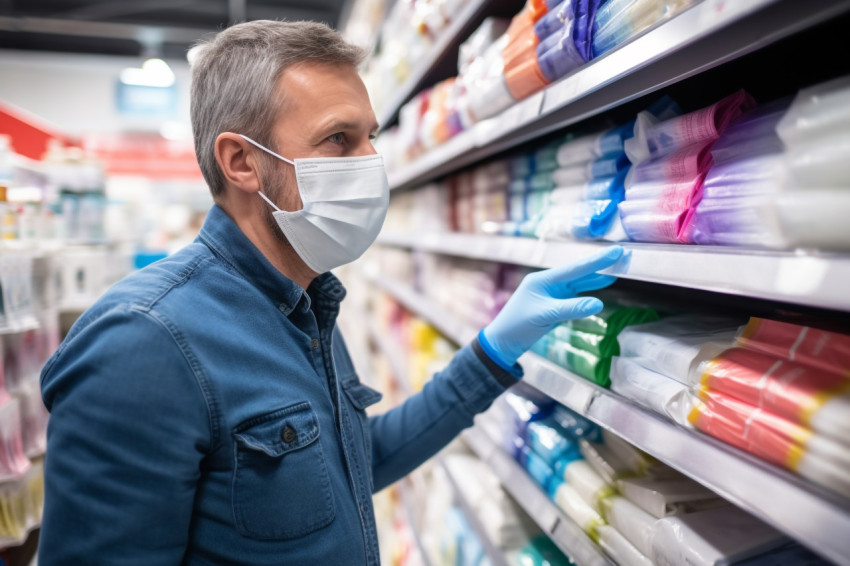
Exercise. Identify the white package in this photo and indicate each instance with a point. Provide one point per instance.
(588, 484)
(654, 391)
(621, 550)
(666, 497)
(582, 514)
(819, 110)
(670, 346)
(630, 521)
(711, 538)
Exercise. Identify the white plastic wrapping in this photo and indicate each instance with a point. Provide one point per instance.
(654, 391)
(588, 484)
(816, 111)
(711, 538)
(671, 346)
(619, 549)
(631, 521)
(577, 509)
(673, 496)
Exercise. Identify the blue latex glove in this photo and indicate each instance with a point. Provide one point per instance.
(542, 301)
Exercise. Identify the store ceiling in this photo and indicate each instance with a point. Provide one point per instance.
(165, 28)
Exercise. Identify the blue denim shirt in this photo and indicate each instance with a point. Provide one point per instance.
(206, 411)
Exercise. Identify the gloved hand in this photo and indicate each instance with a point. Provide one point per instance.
(542, 301)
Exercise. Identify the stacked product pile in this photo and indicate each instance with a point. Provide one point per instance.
(671, 159)
(783, 394)
(639, 511)
(586, 346)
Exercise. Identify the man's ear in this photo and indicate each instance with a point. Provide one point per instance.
(238, 162)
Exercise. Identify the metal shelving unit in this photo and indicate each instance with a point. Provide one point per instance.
(702, 37)
(470, 15)
(805, 278)
(564, 532)
(494, 553)
(814, 516)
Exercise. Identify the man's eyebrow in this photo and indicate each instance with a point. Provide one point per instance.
(343, 125)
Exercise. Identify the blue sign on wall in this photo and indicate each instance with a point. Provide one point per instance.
(150, 101)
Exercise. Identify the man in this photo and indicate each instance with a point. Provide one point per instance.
(205, 410)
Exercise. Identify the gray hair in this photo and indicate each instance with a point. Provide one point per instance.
(235, 73)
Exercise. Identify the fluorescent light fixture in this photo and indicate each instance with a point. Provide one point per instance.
(176, 131)
(154, 72)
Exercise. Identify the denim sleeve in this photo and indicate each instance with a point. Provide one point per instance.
(127, 431)
(406, 436)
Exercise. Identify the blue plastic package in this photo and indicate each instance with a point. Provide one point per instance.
(554, 40)
(607, 188)
(551, 22)
(585, 16)
(613, 140)
(562, 58)
(538, 469)
(608, 165)
(549, 441)
(574, 425)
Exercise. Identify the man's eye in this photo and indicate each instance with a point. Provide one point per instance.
(336, 138)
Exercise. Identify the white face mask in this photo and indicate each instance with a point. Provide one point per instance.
(345, 201)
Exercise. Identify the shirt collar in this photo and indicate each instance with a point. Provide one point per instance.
(221, 234)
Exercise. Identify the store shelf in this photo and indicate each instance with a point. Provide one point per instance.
(706, 35)
(814, 516)
(495, 554)
(801, 277)
(408, 505)
(455, 33)
(392, 352)
(563, 531)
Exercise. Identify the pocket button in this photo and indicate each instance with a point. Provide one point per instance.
(288, 434)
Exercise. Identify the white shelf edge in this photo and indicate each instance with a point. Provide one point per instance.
(810, 514)
(435, 53)
(496, 555)
(566, 535)
(804, 278)
(703, 20)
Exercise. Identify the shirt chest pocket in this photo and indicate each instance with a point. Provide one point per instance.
(361, 396)
(281, 488)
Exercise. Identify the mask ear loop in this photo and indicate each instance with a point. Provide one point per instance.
(270, 152)
(267, 150)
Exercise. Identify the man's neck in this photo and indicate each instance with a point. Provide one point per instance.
(279, 253)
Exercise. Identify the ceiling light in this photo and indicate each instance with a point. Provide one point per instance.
(154, 72)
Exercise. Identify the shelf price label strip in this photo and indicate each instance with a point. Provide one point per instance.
(804, 278)
(812, 515)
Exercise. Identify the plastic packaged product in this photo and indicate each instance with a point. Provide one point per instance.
(652, 390)
(525, 78)
(604, 461)
(541, 551)
(600, 345)
(817, 399)
(550, 442)
(578, 510)
(646, 221)
(619, 549)
(777, 440)
(526, 404)
(587, 483)
(34, 418)
(579, 150)
(552, 22)
(573, 424)
(585, 16)
(618, 20)
(21, 502)
(744, 177)
(817, 111)
(671, 346)
(613, 318)
(487, 93)
(812, 218)
(695, 128)
(607, 188)
(13, 461)
(592, 219)
(587, 365)
(712, 538)
(818, 348)
(636, 460)
(539, 470)
(478, 42)
(752, 133)
(631, 521)
(669, 496)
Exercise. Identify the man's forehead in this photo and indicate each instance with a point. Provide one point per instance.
(325, 94)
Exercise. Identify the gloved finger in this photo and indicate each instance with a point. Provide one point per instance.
(581, 307)
(593, 282)
(585, 266)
